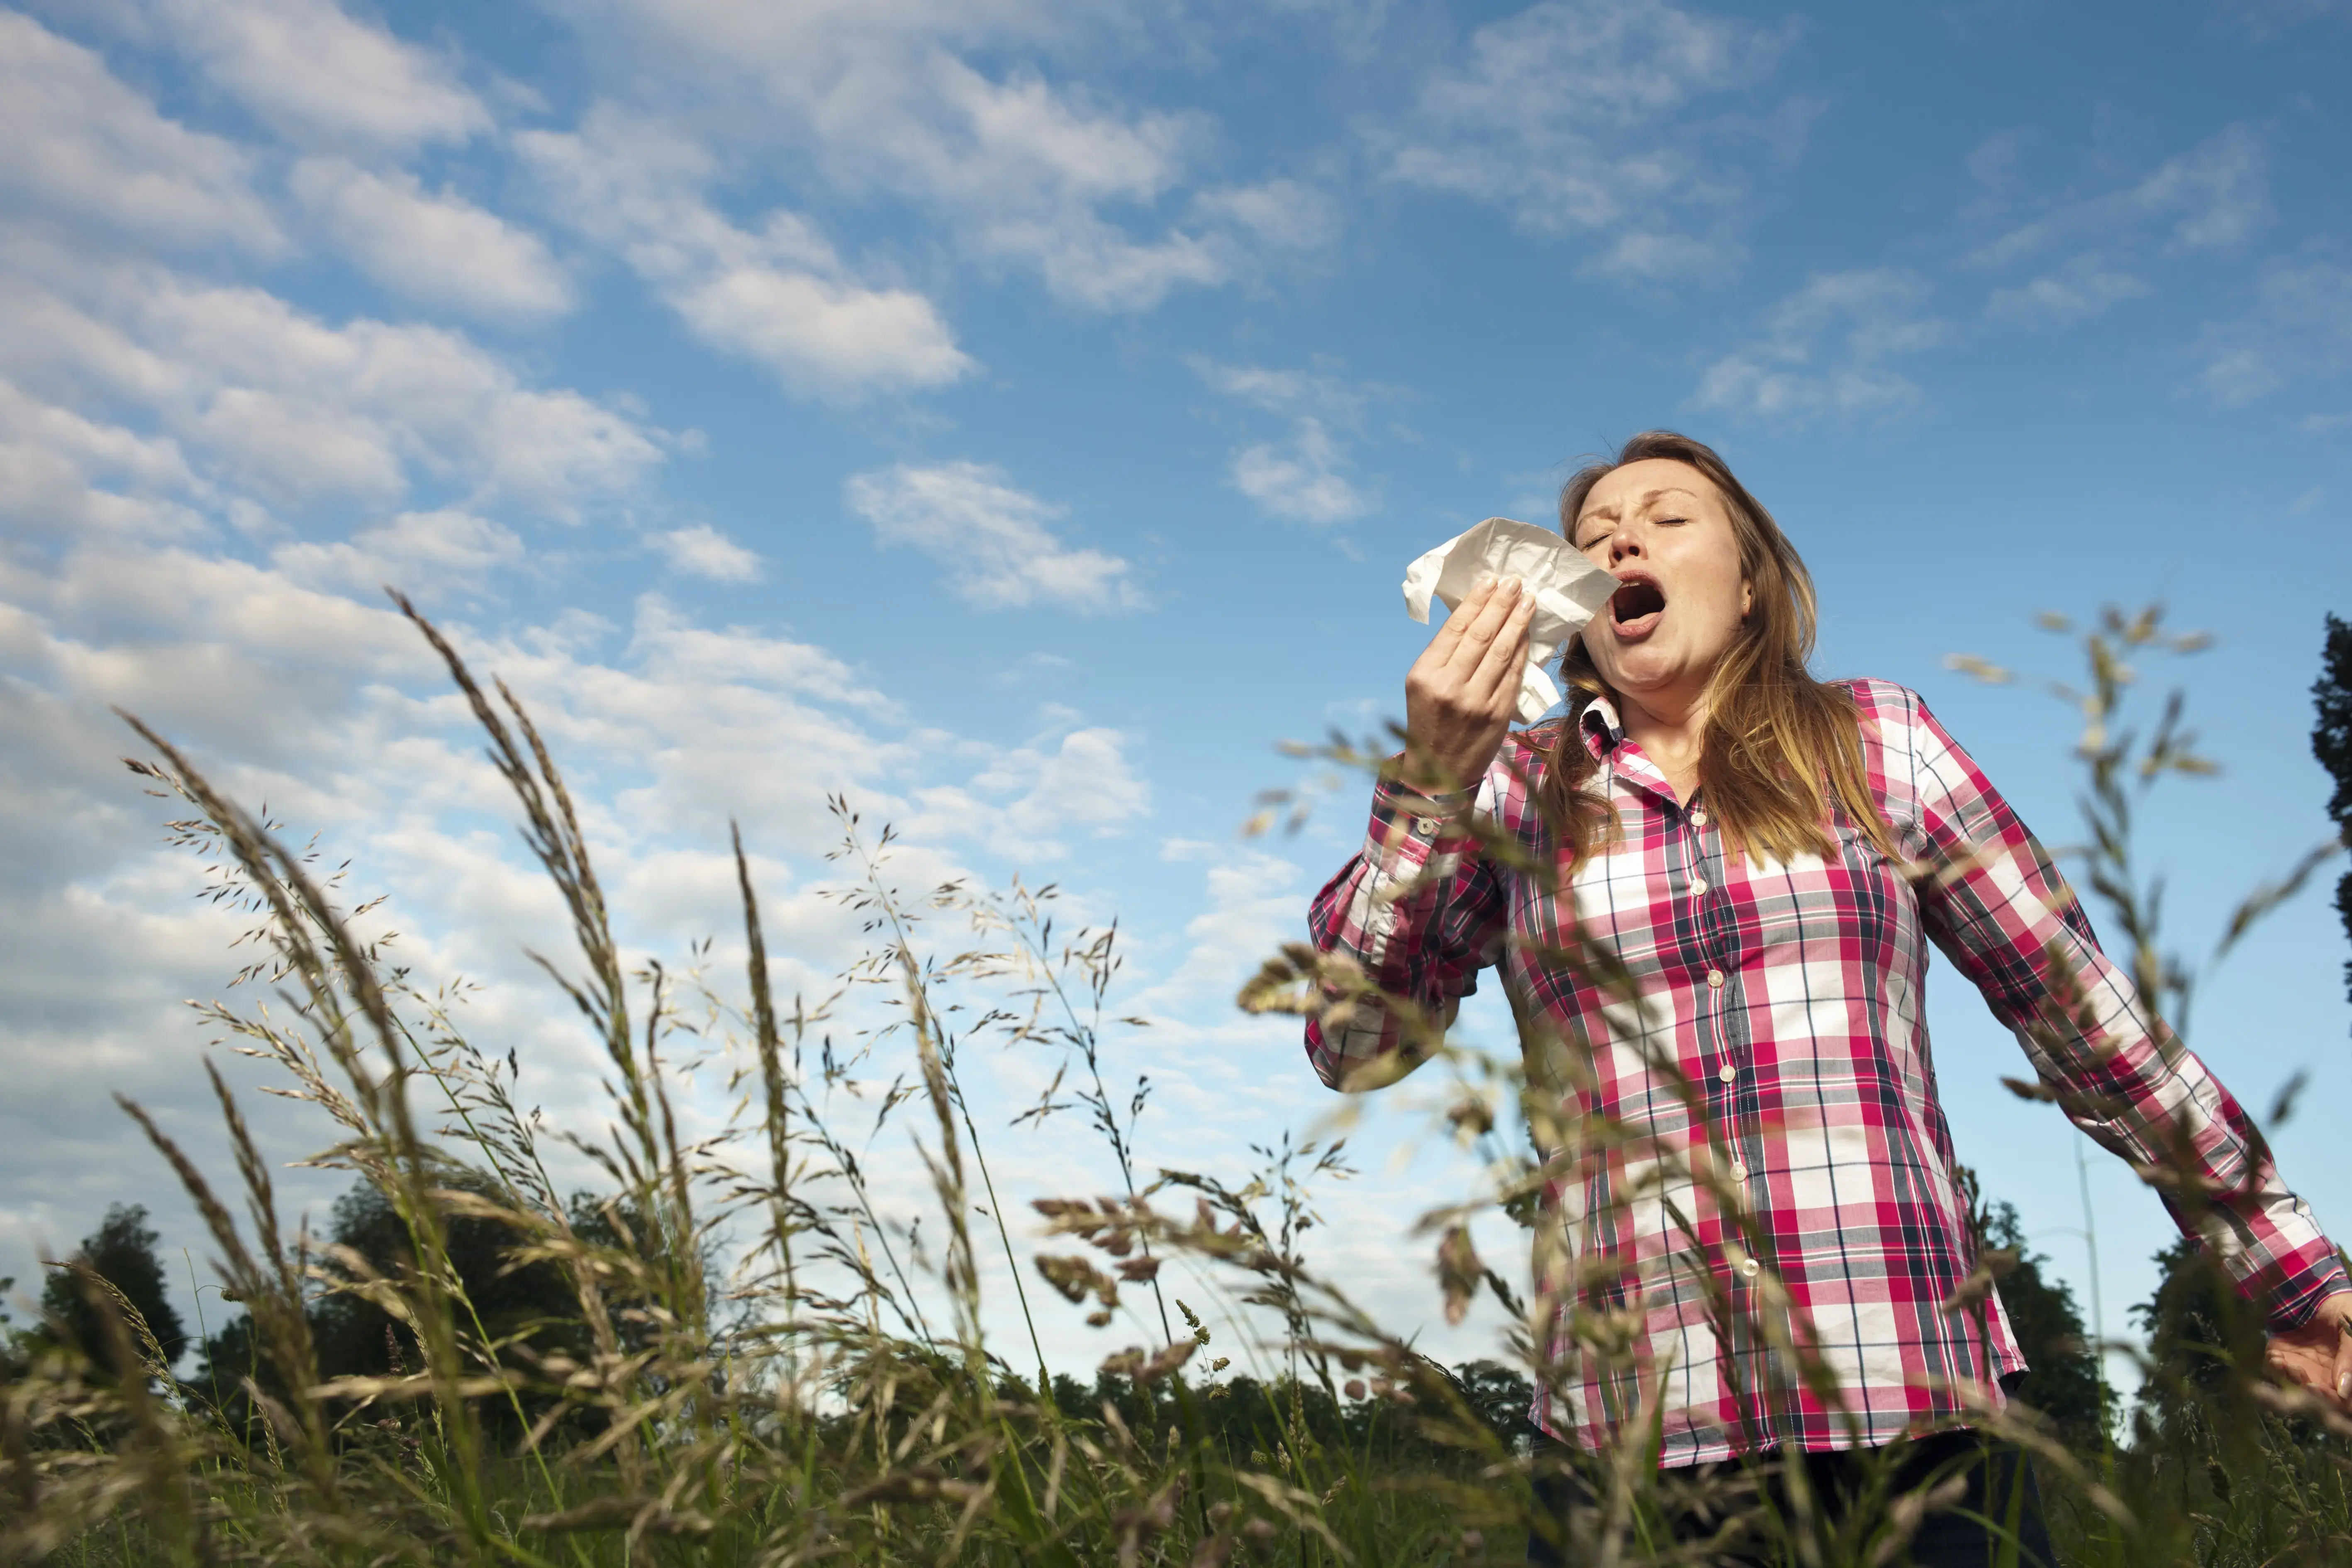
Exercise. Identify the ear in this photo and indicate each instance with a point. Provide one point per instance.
(1747, 598)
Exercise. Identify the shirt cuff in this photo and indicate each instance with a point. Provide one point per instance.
(1418, 823)
(2296, 1292)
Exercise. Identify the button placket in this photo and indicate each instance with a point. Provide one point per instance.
(1698, 882)
(1725, 1072)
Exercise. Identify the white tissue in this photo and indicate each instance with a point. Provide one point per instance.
(1569, 591)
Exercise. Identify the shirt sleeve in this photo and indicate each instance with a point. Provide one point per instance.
(1998, 909)
(1420, 909)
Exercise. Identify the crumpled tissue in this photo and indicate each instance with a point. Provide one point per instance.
(1569, 589)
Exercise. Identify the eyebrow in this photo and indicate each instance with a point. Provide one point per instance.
(1644, 499)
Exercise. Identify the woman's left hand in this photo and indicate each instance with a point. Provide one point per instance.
(2320, 1354)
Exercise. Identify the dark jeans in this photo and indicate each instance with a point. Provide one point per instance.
(1699, 1499)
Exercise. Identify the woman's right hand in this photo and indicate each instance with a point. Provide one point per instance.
(1461, 691)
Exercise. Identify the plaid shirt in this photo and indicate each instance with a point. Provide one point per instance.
(1790, 997)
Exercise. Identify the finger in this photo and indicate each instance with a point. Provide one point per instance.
(2340, 1383)
(1499, 673)
(1492, 616)
(2306, 1359)
(1494, 685)
(2294, 1362)
(1457, 623)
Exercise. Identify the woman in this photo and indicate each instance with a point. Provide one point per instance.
(1751, 844)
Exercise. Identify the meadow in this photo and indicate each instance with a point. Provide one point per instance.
(546, 1378)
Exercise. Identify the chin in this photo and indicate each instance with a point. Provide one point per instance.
(1643, 673)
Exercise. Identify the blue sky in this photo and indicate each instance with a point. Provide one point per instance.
(1018, 415)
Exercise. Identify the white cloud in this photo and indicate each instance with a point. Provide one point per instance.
(1025, 171)
(437, 249)
(53, 461)
(1284, 214)
(702, 550)
(1284, 392)
(1301, 477)
(1256, 903)
(273, 404)
(779, 295)
(820, 331)
(1026, 803)
(2212, 195)
(2295, 325)
(2083, 287)
(1824, 351)
(2266, 19)
(991, 537)
(430, 556)
(314, 72)
(1592, 116)
(79, 141)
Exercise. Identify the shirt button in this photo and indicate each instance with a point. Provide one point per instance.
(1749, 1267)
(1422, 827)
(1698, 886)
(1714, 978)
(1699, 815)
(1738, 1171)
(1727, 1073)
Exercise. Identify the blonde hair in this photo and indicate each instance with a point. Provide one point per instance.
(1777, 746)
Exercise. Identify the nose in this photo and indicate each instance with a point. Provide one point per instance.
(1623, 542)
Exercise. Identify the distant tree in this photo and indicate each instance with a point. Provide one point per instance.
(2331, 742)
(2062, 1378)
(357, 1338)
(2197, 1327)
(534, 1303)
(1500, 1395)
(122, 1251)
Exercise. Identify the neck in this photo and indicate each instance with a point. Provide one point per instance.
(1669, 725)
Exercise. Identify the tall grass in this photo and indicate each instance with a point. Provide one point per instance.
(757, 1366)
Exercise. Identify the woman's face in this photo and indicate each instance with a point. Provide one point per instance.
(1661, 529)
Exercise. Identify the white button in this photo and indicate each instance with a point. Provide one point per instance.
(1749, 1267)
(1698, 885)
(1714, 978)
(1699, 815)
(1738, 1171)
(1727, 1073)
(1423, 827)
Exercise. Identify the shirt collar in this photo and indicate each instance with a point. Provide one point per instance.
(1604, 736)
(1603, 730)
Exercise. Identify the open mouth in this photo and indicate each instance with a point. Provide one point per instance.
(1637, 600)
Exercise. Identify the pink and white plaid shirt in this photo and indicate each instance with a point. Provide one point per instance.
(1793, 995)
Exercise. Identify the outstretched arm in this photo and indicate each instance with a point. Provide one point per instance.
(2002, 913)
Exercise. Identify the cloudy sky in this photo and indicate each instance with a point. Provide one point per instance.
(1016, 415)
